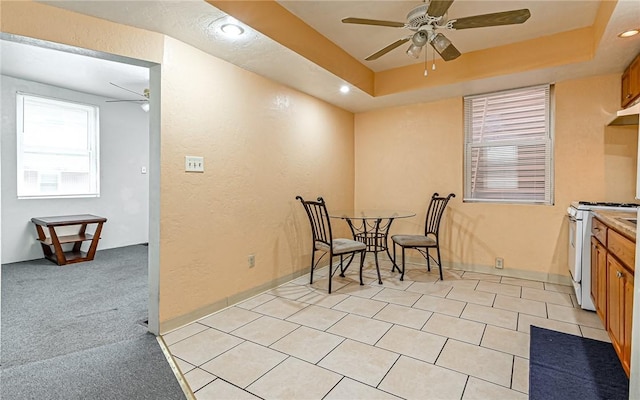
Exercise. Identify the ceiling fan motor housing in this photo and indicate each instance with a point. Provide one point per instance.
(418, 17)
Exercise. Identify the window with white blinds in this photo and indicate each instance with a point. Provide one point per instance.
(509, 146)
(57, 152)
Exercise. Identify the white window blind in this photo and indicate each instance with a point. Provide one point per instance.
(508, 146)
(57, 150)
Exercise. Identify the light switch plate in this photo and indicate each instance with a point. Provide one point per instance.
(193, 164)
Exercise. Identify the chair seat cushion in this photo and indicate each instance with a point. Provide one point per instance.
(414, 240)
(342, 246)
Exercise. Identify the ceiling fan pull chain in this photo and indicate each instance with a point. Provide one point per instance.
(426, 70)
(433, 60)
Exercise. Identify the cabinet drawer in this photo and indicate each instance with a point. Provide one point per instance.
(599, 231)
(623, 248)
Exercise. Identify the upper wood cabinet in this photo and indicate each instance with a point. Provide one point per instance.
(631, 83)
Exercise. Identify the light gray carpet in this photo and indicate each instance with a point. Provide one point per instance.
(133, 369)
(76, 332)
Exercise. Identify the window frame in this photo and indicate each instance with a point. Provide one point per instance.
(470, 195)
(92, 150)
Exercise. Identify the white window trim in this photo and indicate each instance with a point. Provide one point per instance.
(549, 144)
(93, 146)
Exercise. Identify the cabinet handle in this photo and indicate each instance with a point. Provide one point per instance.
(628, 96)
(619, 274)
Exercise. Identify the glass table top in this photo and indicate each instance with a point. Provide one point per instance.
(370, 214)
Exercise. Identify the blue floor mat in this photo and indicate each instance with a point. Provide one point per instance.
(563, 366)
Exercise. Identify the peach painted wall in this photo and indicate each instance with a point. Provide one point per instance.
(263, 144)
(405, 154)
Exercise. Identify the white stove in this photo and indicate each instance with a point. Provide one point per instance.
(580, 217)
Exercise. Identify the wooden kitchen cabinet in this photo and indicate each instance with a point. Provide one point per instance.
(599, 278)
(631, 83)
(619, 309)
(612, 275)
(628, 319)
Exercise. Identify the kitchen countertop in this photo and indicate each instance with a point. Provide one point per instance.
(619, 220)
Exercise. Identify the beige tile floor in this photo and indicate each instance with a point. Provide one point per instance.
(466, 337)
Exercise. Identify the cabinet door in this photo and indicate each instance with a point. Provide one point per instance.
(615, 304)
(594, 271)
(599, 279)
(628, 316)
(625, 94)
(634, 78)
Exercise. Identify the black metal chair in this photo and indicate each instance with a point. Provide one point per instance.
(323, 240)
(429, 240)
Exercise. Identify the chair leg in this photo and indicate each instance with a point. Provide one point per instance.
(313, 256)
(362, 266)
(439, 261)
(402, 275)
(428, 259)
(342, 265)
(395, 266)
(330, 272)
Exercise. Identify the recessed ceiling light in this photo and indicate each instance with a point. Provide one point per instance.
(232, 29)
(629, 33)
(344, 89)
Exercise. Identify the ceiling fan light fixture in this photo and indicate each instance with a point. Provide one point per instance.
(440, 42)
(444, 47)
(418, 40)
(414, 51)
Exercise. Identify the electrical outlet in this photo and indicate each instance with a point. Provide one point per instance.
(251, 260)
(499, 262)
(193, 164)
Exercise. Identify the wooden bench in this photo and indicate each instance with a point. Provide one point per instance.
(52, 245)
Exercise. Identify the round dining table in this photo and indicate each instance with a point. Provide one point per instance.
(371, 227)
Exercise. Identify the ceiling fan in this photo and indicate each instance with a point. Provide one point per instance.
(431, 16)
(143, 100)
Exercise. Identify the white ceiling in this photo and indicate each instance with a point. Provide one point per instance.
(547, 18)
(72, 71)
(196, 22)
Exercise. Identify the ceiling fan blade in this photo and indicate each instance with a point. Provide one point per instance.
(495, 19)
(377, 22)
(387, 49)
(444, 47)
(437, 8)
(128, 90)
(119, 101)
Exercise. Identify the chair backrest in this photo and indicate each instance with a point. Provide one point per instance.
(319, 220)
(434, 213)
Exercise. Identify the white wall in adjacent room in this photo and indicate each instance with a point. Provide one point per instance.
(124, 190)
